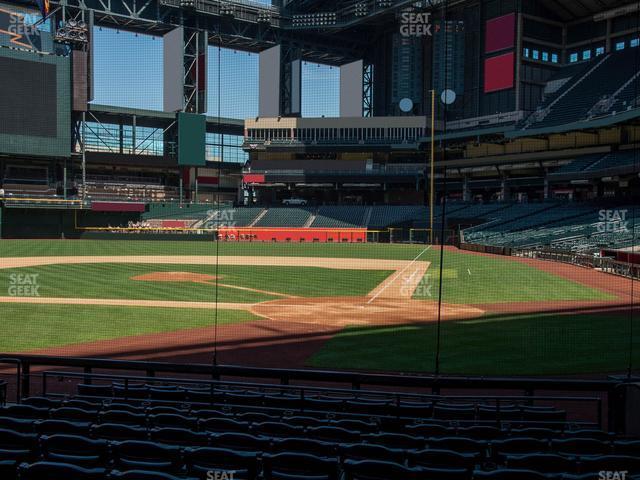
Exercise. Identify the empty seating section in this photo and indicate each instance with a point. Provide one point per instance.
(245, 431)
(176, 211)
(384, 216)
(575, 227)
(579, 164)
(600, 79)
(284, 217)
(340, 217)
(615, 160)
(245, 216)
(627, 99)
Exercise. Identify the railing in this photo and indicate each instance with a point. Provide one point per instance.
(605, 264)
(603, 393)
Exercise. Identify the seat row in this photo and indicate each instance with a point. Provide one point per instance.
(288, 466)
(338, 403)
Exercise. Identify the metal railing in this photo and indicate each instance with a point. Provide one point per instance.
(604, 264)
(605, 393)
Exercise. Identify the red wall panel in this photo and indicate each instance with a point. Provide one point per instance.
(500, 33)
(499, 73)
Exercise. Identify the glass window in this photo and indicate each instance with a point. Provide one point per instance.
(545, 56)
(620, 46)
(526, 53)
(573, 58)
(599, 51)
(536, 55)
(554, 58)
(634, 42)
(586, 55)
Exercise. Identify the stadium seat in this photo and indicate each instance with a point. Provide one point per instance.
(199, 461)
(75, 450)
(290, 466)
(114, 431)
(59, 471)
(509, 474)
(542, 462)
(22, 425)
(144, 475)
(580, 446)
(173, 420)
(367, 451)
(179, 436)
(221, 425)
(73, 414)
(609, 463)
(333, 434)
(132, 455)
(395, 440)
(304, 445)
(517, 445)
(240, 442)
(122, 417)
(17, 446)
(443, 459)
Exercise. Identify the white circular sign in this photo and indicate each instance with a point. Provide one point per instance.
(448, 97)
(406, 105)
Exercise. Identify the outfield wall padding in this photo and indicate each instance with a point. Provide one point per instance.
(294, 235)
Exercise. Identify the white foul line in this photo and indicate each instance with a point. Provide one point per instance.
(398, 275)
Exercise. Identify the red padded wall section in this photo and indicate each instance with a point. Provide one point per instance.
(499, 73)
(500, 33)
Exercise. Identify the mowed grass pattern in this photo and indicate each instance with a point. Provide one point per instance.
(533, 344)
(115, 281)
(29, 327)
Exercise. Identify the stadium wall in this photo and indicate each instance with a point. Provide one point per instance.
(294, 235)
(33, 223)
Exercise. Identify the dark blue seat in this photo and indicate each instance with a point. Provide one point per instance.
(81, 451)
(200, 461)
(289, 466)
(509, 474)
(59, 471)
(133, 455)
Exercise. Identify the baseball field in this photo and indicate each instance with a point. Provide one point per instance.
(356, 306)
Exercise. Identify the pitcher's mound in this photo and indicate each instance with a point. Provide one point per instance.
(341, 311)
(175, 277)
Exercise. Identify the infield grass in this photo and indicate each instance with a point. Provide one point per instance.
(30, 327)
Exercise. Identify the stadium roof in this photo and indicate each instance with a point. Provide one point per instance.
(570, 10)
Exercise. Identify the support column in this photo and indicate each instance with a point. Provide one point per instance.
(352, 89)
(280, 82)
(466, 193)
(185, 70)
(546, 186)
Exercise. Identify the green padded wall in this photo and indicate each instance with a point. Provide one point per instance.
(191, 140)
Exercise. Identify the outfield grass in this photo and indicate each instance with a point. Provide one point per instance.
(535, 344)
(25, 328)
(468, 278)
(40, 248)
(108, 280)
(476, 279)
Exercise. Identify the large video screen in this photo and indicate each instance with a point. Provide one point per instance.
(28, 98)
